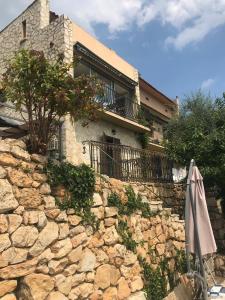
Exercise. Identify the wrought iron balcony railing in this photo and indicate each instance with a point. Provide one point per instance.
(129, 164)
(122, 105)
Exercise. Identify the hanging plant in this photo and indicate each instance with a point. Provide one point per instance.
(143, 138)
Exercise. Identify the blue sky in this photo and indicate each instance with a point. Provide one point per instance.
(173, 71)
(177, 45)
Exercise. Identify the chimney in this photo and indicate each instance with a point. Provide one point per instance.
(44, 7)
(177, 101)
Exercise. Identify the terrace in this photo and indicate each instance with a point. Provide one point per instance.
(129, 164)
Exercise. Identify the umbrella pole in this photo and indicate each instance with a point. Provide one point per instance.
(187, 216)
(205, 294)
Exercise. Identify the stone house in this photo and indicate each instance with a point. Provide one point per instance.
(158, 110)
(112, 144)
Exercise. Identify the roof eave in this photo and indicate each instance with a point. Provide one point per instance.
(151, 88)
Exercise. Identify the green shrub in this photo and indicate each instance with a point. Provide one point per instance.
(143, 139)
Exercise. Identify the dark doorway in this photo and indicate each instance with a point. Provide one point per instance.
(111, 163)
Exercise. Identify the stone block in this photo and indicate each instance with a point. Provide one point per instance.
(7, 286)
(4, 241)
(46, 237)
(7, 200)
(25, 236)
(36, 286)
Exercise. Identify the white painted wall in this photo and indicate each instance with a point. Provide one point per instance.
(94, 132)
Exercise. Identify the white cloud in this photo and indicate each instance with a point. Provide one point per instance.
(206, 84)
(192, 20)
(117, 15)
(198, 30)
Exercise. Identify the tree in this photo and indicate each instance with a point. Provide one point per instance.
(198, 132)
(47, 92)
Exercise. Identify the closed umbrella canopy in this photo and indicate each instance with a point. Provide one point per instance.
(198, 230)
(199, 211)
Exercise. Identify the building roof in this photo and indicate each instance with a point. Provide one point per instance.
(145, 85)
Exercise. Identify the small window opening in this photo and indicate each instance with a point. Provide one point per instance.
(24, 25)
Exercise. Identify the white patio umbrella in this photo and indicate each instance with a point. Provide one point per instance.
(199, 235)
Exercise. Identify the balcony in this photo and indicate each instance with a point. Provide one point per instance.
(129, 164)
(120, 108)
(121, 104)
(118, 100)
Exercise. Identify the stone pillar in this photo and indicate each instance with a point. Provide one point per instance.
(68, 42)
(69, 140)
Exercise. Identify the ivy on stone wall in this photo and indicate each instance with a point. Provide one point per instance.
(155, 283)
(79, 185)
(158, 281)
(131, 204)
(126, 236)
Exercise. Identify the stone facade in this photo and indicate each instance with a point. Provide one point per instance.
(46, 253)
(52, 38)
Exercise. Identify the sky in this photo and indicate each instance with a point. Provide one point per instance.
(177, 45)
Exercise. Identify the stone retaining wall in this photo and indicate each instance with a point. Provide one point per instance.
(219, 265)
(46, 253)
(177, 204)
(217, 220)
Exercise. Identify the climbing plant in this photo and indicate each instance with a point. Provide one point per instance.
(140, 117)
(132, 204)
(159, 280)
(126, 236)
(79, 184)
(143, 139)
(155, 283)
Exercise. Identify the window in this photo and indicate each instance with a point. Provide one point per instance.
(54, 145)
(24, 25)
